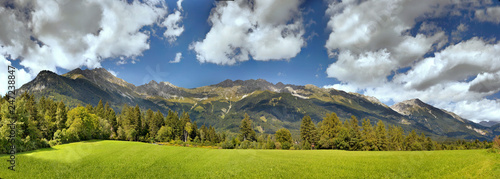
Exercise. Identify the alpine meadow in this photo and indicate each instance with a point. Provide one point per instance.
(249, 89)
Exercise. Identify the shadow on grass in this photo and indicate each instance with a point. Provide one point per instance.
(92, 141)
(50, 148)
(31, 151)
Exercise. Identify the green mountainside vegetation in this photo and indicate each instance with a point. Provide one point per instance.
(45, 123)
(269, 106)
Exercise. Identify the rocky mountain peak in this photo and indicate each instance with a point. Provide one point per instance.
(226, 83)
(46, 73)
(42, 80)
(405, 107)
(164, 83)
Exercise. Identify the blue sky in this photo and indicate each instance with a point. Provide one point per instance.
(190, 73)
(444, 52)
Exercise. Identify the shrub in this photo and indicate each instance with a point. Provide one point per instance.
(270, 145)
(496, 145)
(245, 144)
(296, 147)
(307, 146)
(286, 145)
(43, 143)
(277, 145)
(227, 145)
(54, 142)
(254, 145)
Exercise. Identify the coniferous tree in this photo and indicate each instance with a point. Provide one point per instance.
(22, 116)
(5, 129)
(382, 141)
(41, 105)
(44, 117)
(368, 136)
(137, 117)
(174, 122)
(355, 134)
(203, 133)
(111, 116)
(396, 138)
(99, 109)
(308, 132)
(33, 118)
(194, 131)
(106, 108)
(411, 142)
(122, 119)
(330, 127)
(429, 144)
(212, 135)
(148, 120)
(186, 126)
(50, 119)
(246, 129)
(157, 122)
(90, 108)
(342, 138)
(61, 116)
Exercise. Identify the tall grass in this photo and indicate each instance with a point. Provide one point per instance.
(119, 159)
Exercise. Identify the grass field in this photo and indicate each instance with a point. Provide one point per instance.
(119, 159)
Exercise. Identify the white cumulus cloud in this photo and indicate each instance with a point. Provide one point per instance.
(51, 34)
(20, 76)
(263, 29)
(371, 42)
(173, 24)
(178, 57)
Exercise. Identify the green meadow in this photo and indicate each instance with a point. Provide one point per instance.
(120, 159)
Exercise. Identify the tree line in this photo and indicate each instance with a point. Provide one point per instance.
(332, 133)
(47, 123)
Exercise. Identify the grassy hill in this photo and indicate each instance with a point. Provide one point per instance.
(119, 159)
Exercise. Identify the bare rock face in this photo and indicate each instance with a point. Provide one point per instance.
(405, 107)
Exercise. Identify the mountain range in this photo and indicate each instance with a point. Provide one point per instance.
(270, 106)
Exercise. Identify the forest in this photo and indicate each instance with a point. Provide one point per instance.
(45, 123)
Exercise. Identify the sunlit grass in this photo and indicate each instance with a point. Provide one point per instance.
(119, 159)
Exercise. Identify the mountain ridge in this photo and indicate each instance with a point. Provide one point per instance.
(271, 106)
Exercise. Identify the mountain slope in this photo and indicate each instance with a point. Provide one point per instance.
(440, 121)
(86, 87)
(488, 123)
(270, 106)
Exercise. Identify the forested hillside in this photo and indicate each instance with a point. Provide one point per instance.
(272, 106)
(45, 123)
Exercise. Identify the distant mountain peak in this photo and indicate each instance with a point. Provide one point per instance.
(98, 76)
(415, 102)
(406, 107)
(101, 71)
(168, 84)
(258, 97)
(489, 123)
(46, 72)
